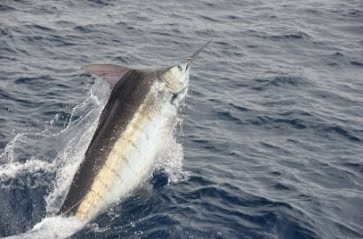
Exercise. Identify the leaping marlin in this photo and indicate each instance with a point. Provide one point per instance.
(130, 132)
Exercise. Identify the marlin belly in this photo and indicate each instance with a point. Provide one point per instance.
(123, 149)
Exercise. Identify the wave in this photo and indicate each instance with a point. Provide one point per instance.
(281, 81)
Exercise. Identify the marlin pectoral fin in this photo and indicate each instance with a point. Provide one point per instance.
(109, 72)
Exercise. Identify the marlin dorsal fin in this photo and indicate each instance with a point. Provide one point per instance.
(109, 72)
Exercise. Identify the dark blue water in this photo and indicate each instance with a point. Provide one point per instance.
(273, 126)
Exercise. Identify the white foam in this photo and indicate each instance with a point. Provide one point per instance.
(13, 170)
(52, 227)
(57, 227)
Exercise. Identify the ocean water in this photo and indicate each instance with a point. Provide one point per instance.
(272, 132)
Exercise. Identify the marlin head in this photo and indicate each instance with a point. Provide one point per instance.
(177, 76)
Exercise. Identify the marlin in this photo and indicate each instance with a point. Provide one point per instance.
(141, 110)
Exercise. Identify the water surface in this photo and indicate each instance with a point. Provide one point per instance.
(272, 132)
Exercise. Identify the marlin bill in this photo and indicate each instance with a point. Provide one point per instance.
(141, 110)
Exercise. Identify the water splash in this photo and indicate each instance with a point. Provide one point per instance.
(8, 154)
(32, 167)
(52, 227)
(171, 155)
(79, 134)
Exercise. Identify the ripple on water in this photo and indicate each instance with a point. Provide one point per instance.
(271, 82)
(272, 134)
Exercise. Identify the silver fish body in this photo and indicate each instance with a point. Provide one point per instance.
(141, 110)
(139, 115)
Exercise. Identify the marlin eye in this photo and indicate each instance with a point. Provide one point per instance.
(180, 68)
(173, 98)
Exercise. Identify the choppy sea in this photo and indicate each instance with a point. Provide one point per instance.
(272, 134)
